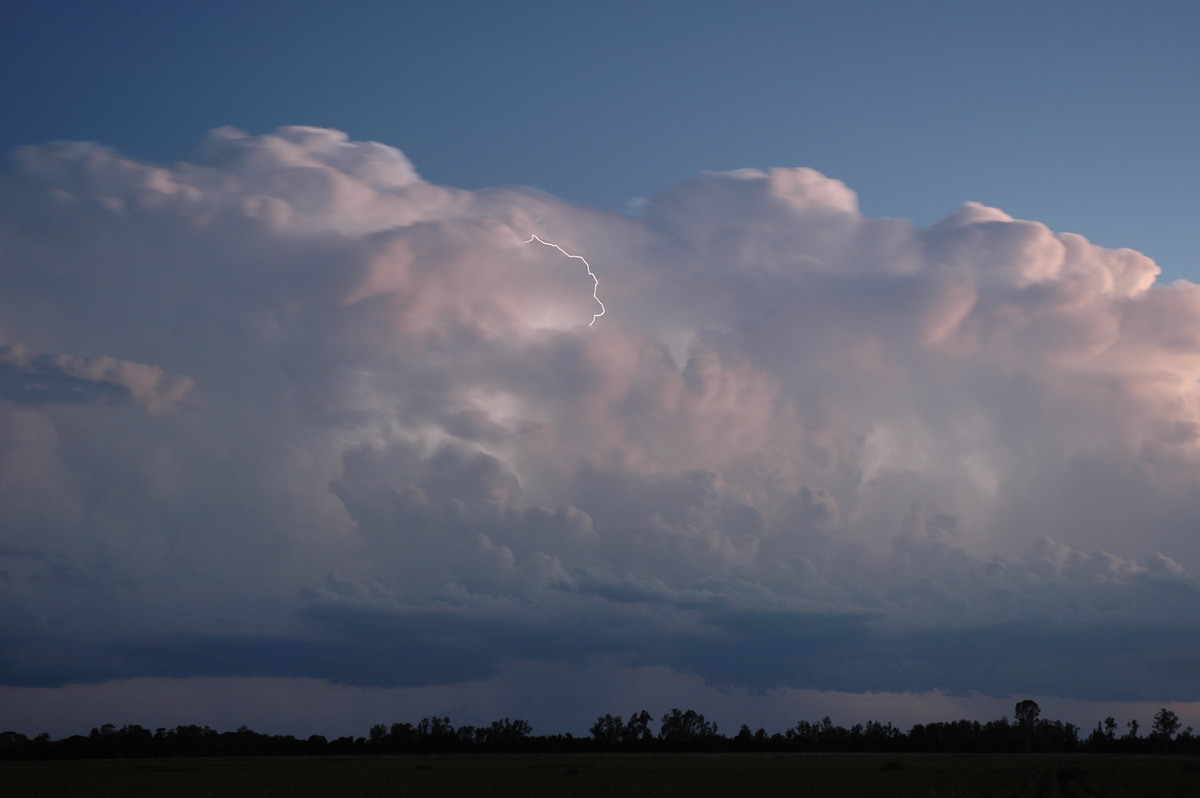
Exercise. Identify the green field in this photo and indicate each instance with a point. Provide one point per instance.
(624, 775)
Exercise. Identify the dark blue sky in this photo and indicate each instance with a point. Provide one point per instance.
(1080, 115)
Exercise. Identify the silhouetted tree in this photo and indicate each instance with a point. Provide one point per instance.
(1026, 713)
(505, 734)
(1166, 723)
(744, 739)
(997, 735)
(1054, 735)
(680, 728)
(436, 734)
(377, 739)
(469, 736)
(14, 745)
(135, 741)
(680, 731)
(402, 738)
(608, 730)
(637, 730)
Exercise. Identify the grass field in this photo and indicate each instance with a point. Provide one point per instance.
(626, 776)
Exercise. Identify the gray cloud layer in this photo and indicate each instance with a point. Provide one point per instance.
(802, 448)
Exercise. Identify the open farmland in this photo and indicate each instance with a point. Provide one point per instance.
(529, 776)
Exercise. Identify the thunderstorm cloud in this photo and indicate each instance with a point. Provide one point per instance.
(285, 410)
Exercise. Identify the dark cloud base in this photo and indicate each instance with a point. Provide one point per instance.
(743, 652)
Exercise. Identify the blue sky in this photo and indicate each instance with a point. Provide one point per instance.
(1077, 114)
(299, 429)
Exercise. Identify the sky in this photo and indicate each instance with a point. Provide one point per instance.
(881, 402)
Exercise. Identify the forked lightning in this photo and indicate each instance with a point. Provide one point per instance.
(595, 279)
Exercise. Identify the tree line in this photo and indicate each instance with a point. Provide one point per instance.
(678, 731)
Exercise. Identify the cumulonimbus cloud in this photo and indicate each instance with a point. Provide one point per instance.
(794, 427)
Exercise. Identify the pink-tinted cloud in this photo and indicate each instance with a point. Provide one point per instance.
(795, 428)
(40, 379)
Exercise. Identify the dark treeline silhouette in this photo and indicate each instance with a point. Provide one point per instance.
(678, 731)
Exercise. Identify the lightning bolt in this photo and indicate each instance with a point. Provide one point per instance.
(595, 279)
